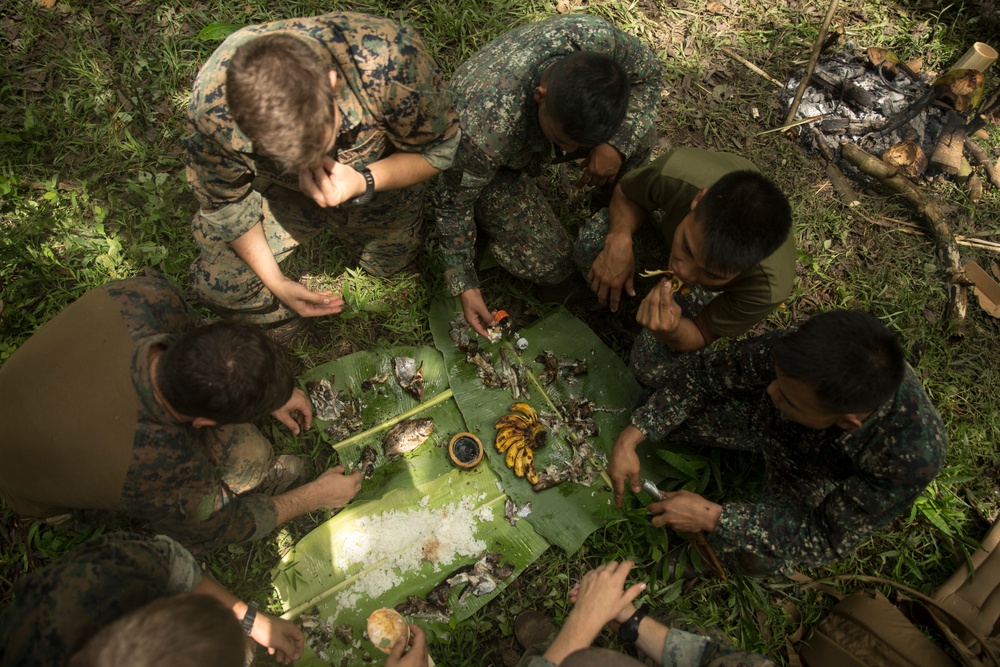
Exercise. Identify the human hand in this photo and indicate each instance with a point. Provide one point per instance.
(600, 597)
(333, 489)
(623, 615)
(282, 639)
(602, 165)
(417, 656)
(331, 183)
(476, 313)
(659, 313)
(624, 462)
(305, 302)
(686, 512)
(297, 403)
(613, 268)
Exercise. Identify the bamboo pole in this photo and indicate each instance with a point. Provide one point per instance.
(440, 398)
(817, 48)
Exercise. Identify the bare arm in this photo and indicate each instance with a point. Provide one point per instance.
(333, 183)
(331, 490)
(614, 266)
(253, 249)
(282, 639)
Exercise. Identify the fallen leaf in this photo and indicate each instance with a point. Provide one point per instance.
(45, 4)
(716, 7)
(563, 6)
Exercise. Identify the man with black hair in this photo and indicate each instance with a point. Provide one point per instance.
(848, 436)
(334, 121)
(714, 221)
(126, 403)
(571, 87)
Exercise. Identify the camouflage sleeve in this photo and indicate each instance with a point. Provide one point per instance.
(184, 571)
(699, 378)
(221, 179)
(177, 490)
(152, 305)
(896, 467)
(646, 77)
(688, 645)
(455, 201)
(417, 108)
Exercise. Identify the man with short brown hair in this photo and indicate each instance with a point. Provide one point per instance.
(336, 120)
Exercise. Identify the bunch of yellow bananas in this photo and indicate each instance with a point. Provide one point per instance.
(519, 434)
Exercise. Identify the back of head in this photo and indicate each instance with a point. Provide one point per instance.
(744, 218)
(587, 94)
(850, 359)
(280, 96)
(228, 372)
(187, 630)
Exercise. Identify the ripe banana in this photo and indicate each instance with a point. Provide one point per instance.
(511, 457)
(525, 410)
(518, 435)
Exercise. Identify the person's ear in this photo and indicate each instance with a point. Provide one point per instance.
(200, 422)
(539, 94)
(850, 421)
(697, 198)
(333, 79)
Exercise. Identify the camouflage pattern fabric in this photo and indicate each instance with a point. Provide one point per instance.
(391, 97)
(56, 610)
(185, 482)
(500, 133)
(824, 491)
(651, 359)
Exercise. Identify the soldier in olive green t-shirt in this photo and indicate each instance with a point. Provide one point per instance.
(718, 224)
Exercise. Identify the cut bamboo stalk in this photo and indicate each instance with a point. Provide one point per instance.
(440, 398)
(817, 49)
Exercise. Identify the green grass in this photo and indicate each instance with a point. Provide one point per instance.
(92, 188)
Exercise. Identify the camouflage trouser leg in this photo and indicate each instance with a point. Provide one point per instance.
(526, 237)
(384, 236)
(241, 454)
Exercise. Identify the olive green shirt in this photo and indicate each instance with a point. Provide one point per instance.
(668, 185)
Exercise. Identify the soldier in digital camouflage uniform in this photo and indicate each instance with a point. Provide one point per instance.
(57, 610)
(333, 121)
(718, 224)
(601, 597)
(848, 436)
(126, 403)
(512, 126)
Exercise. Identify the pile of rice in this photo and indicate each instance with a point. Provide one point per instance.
(397, 542)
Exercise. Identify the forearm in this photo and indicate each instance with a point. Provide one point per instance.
(401, 170)
(625, 216)
(574, 636)
(652, 637)
(686, 337)
(295, 503)
(208, 586)
(252, 248)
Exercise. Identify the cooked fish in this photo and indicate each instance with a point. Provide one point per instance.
(370, 383)
(366, 464)
(325, 399)
(409, 376)
(406, 436)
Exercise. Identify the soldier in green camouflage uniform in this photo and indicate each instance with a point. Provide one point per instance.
(392, 109)
(58, 609)
(505, 145)
(87, 427)
(840, 460)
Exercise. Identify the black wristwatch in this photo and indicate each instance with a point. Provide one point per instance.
(629, 630)
(249, 617)
(369, 188)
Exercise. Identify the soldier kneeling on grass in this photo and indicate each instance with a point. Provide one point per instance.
(126, 403)
(848, 436)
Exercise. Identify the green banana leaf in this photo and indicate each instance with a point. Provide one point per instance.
(309, 579)
(565, 514)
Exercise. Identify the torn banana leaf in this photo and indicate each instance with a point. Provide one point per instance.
(565, 514)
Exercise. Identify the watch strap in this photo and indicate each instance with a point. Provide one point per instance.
(249, 617)
(369, 193)
(629, 630)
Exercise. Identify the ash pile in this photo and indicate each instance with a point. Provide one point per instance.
(859, 100)
(911, 119)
